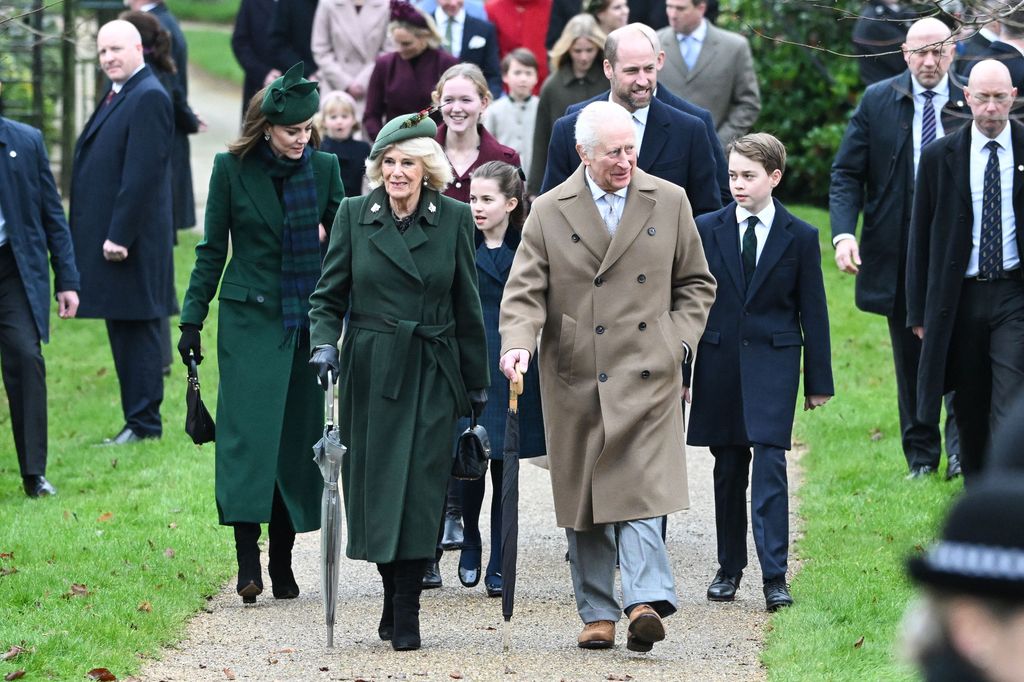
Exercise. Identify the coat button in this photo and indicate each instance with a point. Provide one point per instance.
(642, 326)
(746, 343)
(646, 374)
(641, 278)
(602, 377)
(458, 185)
(575, 237)
(651, 231)
(598, 282)
(599, 329)
(259, 299)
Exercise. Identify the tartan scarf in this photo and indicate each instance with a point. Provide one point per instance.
(300, 237)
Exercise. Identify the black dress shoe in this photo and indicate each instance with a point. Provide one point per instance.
(953, 466)
(38, 486)
(432, 576)
(126, 436)
(920, 471)
(469, 566)
(454, 536)
(724, 586)
(776, 595)
(492, 581)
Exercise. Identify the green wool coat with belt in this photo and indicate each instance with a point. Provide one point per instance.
(415, 342)
(269, 407)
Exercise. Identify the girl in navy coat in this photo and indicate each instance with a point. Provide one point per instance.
(496, 198)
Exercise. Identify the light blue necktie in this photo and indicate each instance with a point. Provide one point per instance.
(691, 50)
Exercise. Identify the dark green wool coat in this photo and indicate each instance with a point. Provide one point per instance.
(269, 407)
(414, 344)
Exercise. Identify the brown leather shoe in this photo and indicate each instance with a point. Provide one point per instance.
(645, 628)
(597, 635)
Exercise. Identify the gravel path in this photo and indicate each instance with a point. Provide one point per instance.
(462, 628)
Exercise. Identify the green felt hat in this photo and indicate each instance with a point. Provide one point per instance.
(290, 99)
(404, 127)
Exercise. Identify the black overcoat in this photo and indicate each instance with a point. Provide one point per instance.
(251, 44)
(940, 246)
(121, 191)
(874, 171)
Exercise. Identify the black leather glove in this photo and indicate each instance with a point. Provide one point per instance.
(188, 344)
(477, 400)
(324, 359)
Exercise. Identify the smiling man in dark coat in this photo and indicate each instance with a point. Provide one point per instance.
(121, 223)
(32, 223)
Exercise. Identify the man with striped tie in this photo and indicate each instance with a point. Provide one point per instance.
(874, 171)
(965, 284)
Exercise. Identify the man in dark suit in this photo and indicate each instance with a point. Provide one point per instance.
(291, 34)
(874, 171)
(877, 35)
(1008, 48)
(770, 302)
(251, 44)
(965, 283)
(673, 146)
(470, 39)
(32, 224)
(121, 223)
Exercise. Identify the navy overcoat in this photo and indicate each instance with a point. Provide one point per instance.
(121, 191)
(747, 371)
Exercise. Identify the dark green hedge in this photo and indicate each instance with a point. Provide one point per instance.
(807, 95)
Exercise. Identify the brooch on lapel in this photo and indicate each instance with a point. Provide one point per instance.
(431, 207)
(1020, 168)
(374, 208)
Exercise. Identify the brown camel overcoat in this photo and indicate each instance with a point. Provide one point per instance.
(613, 315)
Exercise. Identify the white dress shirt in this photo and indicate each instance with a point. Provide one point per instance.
(979, 159)
(458, 24)
(116, 87)
(941, 91)
(765, 217)
(639, 122)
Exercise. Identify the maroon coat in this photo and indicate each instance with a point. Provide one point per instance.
(490, 150)
(399, 86)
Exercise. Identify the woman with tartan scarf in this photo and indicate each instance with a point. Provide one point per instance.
(270, 197)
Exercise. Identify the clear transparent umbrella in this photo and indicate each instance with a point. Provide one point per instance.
(328, 453)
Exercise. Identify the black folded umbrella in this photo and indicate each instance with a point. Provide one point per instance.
(510, 509)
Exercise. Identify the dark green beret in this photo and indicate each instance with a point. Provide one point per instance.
(290, 99)
(404, 127)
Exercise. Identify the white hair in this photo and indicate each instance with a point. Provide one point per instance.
(595, 119)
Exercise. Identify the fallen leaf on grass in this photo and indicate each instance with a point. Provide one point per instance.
(105, 516)
(229, 673)
(859, 643)
(876, 435)
(102, 371)
(13, 652)
(8, 571)
(15, 675)
(169, 553)
(6, 555)
(77, 590)
(146, 607)
(101, 674)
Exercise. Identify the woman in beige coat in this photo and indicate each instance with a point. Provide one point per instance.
(348, 36)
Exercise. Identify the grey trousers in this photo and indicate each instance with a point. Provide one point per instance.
(643, 567)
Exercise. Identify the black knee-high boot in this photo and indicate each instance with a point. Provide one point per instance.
(386, 628)
(408, 585)
(247, 551)
(282, 539)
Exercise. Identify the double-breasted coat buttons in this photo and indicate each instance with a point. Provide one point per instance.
(602, 377)
(641, 278)
(599, 329)
(646, 374)
(642, 326)
(651, 231)
(575, 237)
(598, 281)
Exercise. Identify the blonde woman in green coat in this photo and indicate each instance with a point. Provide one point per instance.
(401, 264)
(269, 196)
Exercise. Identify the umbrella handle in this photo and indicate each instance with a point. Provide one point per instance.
(517, 385)
(329, 398)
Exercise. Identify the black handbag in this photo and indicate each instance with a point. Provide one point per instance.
(198, 422)
(472, 450)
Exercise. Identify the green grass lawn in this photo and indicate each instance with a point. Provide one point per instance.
(861, 518)
(111, 568)
(212, 11)
(210, 50)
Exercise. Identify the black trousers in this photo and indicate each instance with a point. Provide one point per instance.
(922, 445)
(986, 364)
(138, 359)
(23, 369)
(769, 507)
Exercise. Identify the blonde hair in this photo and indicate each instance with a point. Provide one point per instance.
(429, 32)
(335, 99)
(580, 26)
(470, 72)
(437, 172)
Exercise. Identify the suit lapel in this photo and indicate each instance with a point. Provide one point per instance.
(958, 162)
(262, 194)
(386, 237)
(485, 264)
(11, 205)
(656, 134)
(708, 54)
(674, 55)
(103, 111)
(778, 241)
(639, 206)
(1017, 136)
(728, 238)
(955, 113)
(903, 94)
(578, 207)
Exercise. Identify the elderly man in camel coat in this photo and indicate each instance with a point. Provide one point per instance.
(612, 274)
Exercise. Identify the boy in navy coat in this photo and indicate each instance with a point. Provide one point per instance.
(770, 302)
